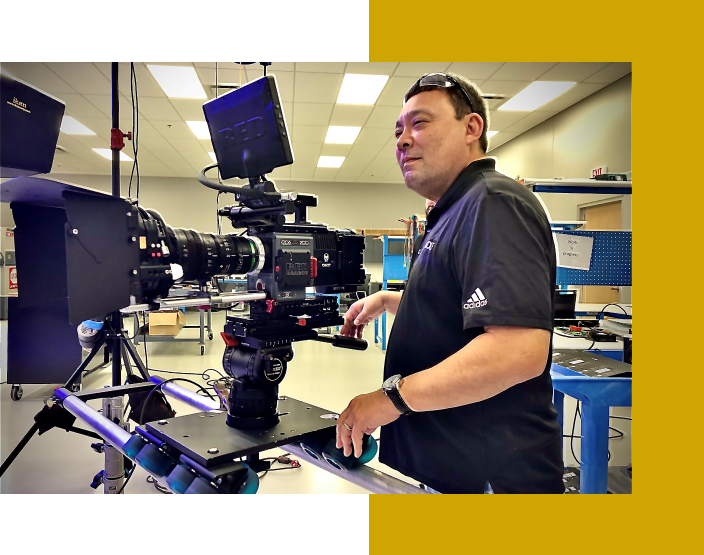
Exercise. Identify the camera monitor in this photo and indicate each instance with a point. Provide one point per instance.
(248, 130)
(29, 128)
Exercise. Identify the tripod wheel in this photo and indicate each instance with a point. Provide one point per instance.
(202, 350)
(16, 392)
(210, 335)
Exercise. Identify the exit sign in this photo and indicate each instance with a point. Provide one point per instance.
(599, 171)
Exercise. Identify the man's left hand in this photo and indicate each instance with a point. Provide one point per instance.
(363, 415)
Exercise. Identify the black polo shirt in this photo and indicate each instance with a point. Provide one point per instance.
(487, 259)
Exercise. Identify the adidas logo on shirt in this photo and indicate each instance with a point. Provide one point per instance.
(476, 301)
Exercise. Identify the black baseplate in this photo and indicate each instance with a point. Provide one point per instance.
(198, 435)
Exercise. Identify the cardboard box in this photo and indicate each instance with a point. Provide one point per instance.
(166, 322)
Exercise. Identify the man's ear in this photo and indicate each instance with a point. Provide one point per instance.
(474, 129)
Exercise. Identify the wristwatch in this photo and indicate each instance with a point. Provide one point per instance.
(390, 389)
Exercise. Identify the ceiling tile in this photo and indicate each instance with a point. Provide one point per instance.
(349, 172)
(371, 68)
(498, 121)
(85, 78)
(100, 126)
(321, 67)
(373, 136)
(309, 133)
(104, 103)
(417, 69)
(311, 114)
(156, 143)
(229, 76)
(475, 71)
(78, 106)
(173, 129)
(528, 122)
(573, 71)
(226, 65)
(395, 89)
(38, 75)
(325, 174)
(160, 109)
(521, 71)
(146, 84)
(303, 171)
(281, 173)
(610, 73)
(317, 87)
(89, 141)
(306, 153)
(350, 115)
(570, 97)
(509, 88)
(394, 175)
(190, 109)
(335, 150)
(501, 138)
(494, 103)
(365, 152)
(384, 117)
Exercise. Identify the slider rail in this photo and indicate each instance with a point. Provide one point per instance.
(363, 475)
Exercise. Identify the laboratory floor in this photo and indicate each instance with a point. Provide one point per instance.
(61, 462)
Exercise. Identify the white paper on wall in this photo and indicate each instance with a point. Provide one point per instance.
(574, 251)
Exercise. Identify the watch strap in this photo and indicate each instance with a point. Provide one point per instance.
(395, 395)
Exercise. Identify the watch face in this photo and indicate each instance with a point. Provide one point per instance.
(388, 384)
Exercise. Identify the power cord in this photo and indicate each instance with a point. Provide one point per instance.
(572, 435)
(134, 96)
(158, 487)
(124, 484)
(601, 312)
(282, 459)
(162, 384)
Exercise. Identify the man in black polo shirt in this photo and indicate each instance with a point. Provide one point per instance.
(469, 354)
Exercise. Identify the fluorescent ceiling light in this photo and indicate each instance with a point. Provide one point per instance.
(200, 129)
(361, 89)
(212, 157)
(490, 134)
(330, 161)
(72, 127)
(537, 94)
(107, 153)
(342, 135)
(178, 81)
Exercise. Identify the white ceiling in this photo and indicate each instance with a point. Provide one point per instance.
(167, 147)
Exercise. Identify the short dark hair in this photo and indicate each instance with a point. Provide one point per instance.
(459, 102)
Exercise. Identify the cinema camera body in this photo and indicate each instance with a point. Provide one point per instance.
(117, 253)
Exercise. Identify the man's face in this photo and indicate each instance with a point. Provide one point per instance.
(431, 144)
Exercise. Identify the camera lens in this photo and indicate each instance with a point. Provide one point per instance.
(204, 255)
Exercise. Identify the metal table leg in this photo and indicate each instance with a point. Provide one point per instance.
(595, 446)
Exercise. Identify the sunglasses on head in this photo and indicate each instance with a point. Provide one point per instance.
(438, 80)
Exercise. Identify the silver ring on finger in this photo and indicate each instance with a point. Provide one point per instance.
(346, 425)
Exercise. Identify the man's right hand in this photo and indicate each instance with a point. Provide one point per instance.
(361, 313)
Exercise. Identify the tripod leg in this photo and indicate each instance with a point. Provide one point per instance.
(132, 350)
(21, 445)
(126, 360)
(84, 364)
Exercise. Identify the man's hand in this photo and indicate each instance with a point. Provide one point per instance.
(364, 414)
(361, 313)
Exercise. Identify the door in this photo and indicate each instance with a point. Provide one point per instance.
(602, 217)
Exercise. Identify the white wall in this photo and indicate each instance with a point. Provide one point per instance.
(594, 132)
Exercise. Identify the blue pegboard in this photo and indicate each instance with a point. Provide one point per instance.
(393, 263)
(610, 263)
